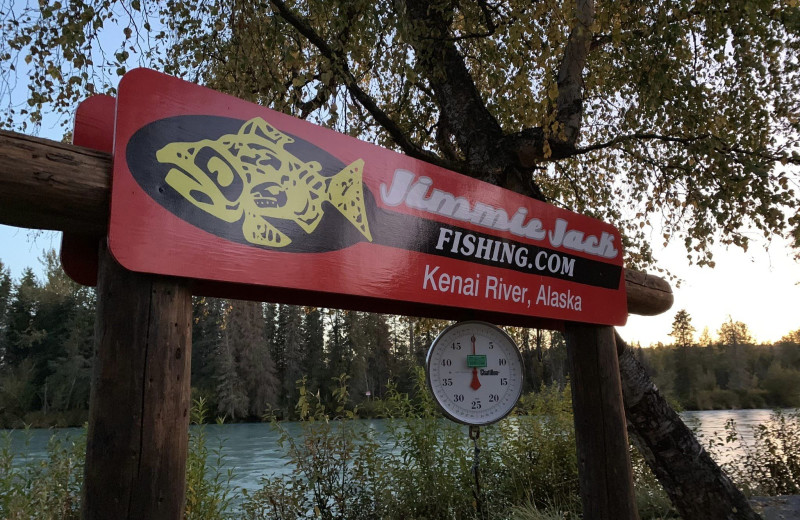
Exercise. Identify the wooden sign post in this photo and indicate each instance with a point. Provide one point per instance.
(222, 197)
(604, 464)
(140, 399)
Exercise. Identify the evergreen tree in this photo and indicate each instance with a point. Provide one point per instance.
(682, 329)
(531, 347)
(247, 383)
(49, 330)
(271, 329)
(379, 354)
(734, 333)
(403, 360)
(207, 321)
(5, 297)
(357, 347)
(338, 356)
(290, 324)
(68, 348)
(733, 336)
(258, 369)
(70, 370)
(314, 338)
(232, 401)
(705, 338)
(20, 333)
(685, 373)
(17, 371)
(278, 345)
(415, 343)
(556, 360)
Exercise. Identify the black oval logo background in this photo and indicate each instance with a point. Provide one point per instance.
(334, 231)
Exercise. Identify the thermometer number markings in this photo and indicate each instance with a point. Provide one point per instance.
(498, 381)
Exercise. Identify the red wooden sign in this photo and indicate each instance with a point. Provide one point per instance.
(94, 128)
(210, 187)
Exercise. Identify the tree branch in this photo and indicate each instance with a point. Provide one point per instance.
(640, 137)
(488, 154)
(686, 141)
(322, 97)
(787, 159)
(475, 130)
(338, 60)
(570, 74)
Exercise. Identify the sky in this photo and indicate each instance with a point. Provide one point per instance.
(760, 287)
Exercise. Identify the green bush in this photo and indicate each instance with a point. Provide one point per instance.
(771, 464)
(536, 458)
(335, 473)
(208, 487)
(423, 468)
(429, 459)
(48, 489)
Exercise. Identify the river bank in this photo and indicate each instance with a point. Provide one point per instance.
(252, 450)
(411, 466)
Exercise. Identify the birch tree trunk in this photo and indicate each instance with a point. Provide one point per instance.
(696, 485)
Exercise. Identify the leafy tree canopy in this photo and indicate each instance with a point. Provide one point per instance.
(681, 116)
(734, 333)
(792, 337)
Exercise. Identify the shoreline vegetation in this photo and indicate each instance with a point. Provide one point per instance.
(420, 469)
(247, 356)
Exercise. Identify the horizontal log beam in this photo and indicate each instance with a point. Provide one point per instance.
(51, 185)
(648, 295)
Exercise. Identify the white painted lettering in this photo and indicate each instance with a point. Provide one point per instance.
(562, 300)
(395, 195)
(429, 277)
(484, 248)
(521, 256)
(444, 236)
(416, 195)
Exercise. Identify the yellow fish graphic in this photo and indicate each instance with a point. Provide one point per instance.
(251, 174)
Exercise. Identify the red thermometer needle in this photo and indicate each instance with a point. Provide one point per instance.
(475, 384)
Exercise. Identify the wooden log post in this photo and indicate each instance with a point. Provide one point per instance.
(50, 185)
(647, 295)
(140, 399)
(604, 465)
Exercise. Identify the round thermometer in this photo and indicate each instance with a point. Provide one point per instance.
(475, 372)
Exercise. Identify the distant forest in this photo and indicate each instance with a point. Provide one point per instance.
(248, 357)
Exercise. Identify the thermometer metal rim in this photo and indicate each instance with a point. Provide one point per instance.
(494, 329)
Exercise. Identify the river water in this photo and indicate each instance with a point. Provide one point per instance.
(253, 451)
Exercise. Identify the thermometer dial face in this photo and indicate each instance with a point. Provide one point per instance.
(475, 372)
